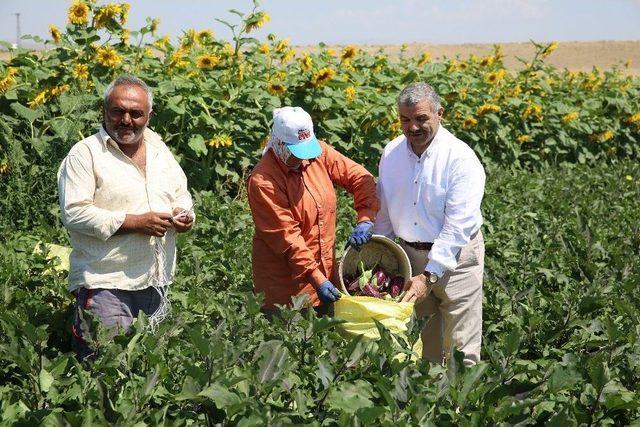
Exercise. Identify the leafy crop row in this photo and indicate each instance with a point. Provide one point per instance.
(561, 336)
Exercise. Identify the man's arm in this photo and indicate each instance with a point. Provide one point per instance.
(76, 187)
(462, 205)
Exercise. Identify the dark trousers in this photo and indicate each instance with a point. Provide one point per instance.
(115, 308)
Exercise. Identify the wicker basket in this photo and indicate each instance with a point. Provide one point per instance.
(380, 251)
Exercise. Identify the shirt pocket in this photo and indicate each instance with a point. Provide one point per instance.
(434, 197)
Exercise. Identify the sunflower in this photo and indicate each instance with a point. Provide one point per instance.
(178, 59)
(106, 15)
(534, 111)
(425, 58)
(348, 53)
(323, 76)
(221, 140)
(469, 122)
(487, 60)
(634, 119)
(496, 76)
(153, 27)
(188, 39)
(549, 49)
(282, 45)
(204, 36)
(287, 55)
(207, 61)
(306, 62)
(7, 81)
(78, 13)
(81, 71)
(108, 57)
(350, 93)
(124, 37)
(602, 136)
(256, 21)
(56, 35)
(568, 118)
(124, 13)
(58, 90)
(276, 88)
(162, 42)
(523, 138)
(487, 108)
(39, 99)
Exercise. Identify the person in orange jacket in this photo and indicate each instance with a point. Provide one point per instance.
(293, 203)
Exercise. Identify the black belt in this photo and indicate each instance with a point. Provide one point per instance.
(421, 246)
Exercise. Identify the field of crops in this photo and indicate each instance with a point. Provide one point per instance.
(562, 230)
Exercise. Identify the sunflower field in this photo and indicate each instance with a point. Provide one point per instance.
(561, 341)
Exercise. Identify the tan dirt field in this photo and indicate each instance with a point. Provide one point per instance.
(581, 56)
(572, 55)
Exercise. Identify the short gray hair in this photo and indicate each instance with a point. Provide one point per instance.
(128, 80)
(418, 92)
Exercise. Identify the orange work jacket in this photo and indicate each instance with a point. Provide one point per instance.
(294, 212)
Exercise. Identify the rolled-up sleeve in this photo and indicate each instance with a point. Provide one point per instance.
(182, 196)
(356, 180)
(464, 196)
(278, 228)
(76, 188)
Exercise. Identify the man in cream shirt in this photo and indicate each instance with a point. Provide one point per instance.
(123, 198)
(431, 186)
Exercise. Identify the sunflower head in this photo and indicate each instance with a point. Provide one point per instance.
(78, 13)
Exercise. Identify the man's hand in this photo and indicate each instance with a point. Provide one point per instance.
(416, 289)
(150, 224)
(328, 293)
(182, 220)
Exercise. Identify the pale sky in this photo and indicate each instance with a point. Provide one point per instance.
(368, 21)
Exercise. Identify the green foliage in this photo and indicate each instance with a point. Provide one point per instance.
(561, 336)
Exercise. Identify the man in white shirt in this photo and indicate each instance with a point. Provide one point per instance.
(123, 198)
(430, 187)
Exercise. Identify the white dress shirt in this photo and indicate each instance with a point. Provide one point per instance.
(432, 198)
(98, 185)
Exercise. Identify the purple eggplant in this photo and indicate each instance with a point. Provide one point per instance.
(353, 286)
(382, 280)
(396, 285)
(370, 291)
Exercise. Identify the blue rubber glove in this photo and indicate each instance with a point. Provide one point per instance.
(361, 234)
(328, 293)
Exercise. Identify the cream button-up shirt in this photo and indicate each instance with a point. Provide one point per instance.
(98, 185)
(432, 198)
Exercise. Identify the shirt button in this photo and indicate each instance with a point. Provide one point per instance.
(415, 223)
(414, 203)
(415, 182)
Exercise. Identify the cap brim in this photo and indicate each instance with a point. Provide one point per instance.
(306, 150)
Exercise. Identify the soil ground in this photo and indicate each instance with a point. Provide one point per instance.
(581, 56)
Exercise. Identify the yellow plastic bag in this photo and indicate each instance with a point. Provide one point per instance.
(53, 251)
(360, 312)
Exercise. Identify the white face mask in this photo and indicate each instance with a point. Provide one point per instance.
(279, 148)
